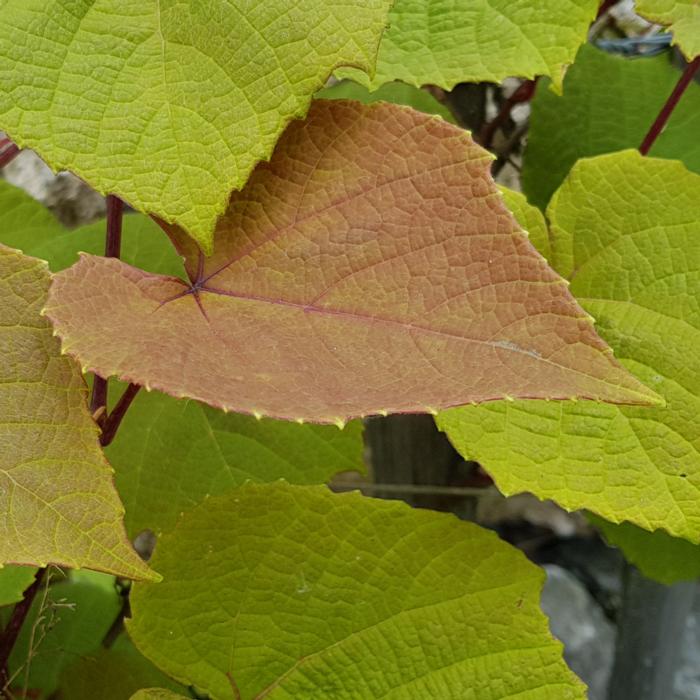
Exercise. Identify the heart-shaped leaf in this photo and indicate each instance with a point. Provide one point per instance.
(171, 104)
(57, 500)
(277, 591)
(370, 267)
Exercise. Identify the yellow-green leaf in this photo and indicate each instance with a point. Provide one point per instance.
(445, 42)
(57, 500)
(171, 104)
(625, 231)
(682, 18)
(656, 554)
(279, 592)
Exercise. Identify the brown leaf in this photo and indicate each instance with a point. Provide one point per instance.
(370, 267)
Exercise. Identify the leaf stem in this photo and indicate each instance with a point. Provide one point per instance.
(8, 154)
(604, 7)
(113, 421)
(523, 93)
(14, 625)
(666, 111)
(113, 245)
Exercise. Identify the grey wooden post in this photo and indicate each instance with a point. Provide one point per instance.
(650, 636)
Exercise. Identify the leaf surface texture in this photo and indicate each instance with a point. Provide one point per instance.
(445, 42)
(171, 104)
(57, 499)
(371, 267)
(319, 595)
(626, 231)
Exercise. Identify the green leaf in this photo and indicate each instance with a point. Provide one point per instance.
(70, 622)
(14, 580)
(171, 105)
(682, 17)
(57, 498)
(530, 219)
(115, 674)
(286, 591)
(397, 93)
(368, 268)
(28, 225)
(656, 554)
(608, 104)
(170, 455)
(156, 694)
(625, 231)
(443, 42)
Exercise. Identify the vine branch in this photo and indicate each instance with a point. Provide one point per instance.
(113, 420)
(14, 625)
(8, 152)
(524, 93)
(113, 244)
(660, 122)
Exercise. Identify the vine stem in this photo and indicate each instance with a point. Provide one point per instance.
(9, 152)
(113, 244)
(14, 625)
(114, 419)
(524, 93)
(666, 111)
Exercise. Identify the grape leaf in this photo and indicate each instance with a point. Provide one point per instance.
(683, 18)
(294, 592)
(28, 225)
(370, 267)
(57, 499)
(397, 93)
(114, 674)
(170, 455)
(626, 231)
(170, 105)
(71, 622)
(657, 555)
(14, 580)
(443, 42)
(607, 105)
